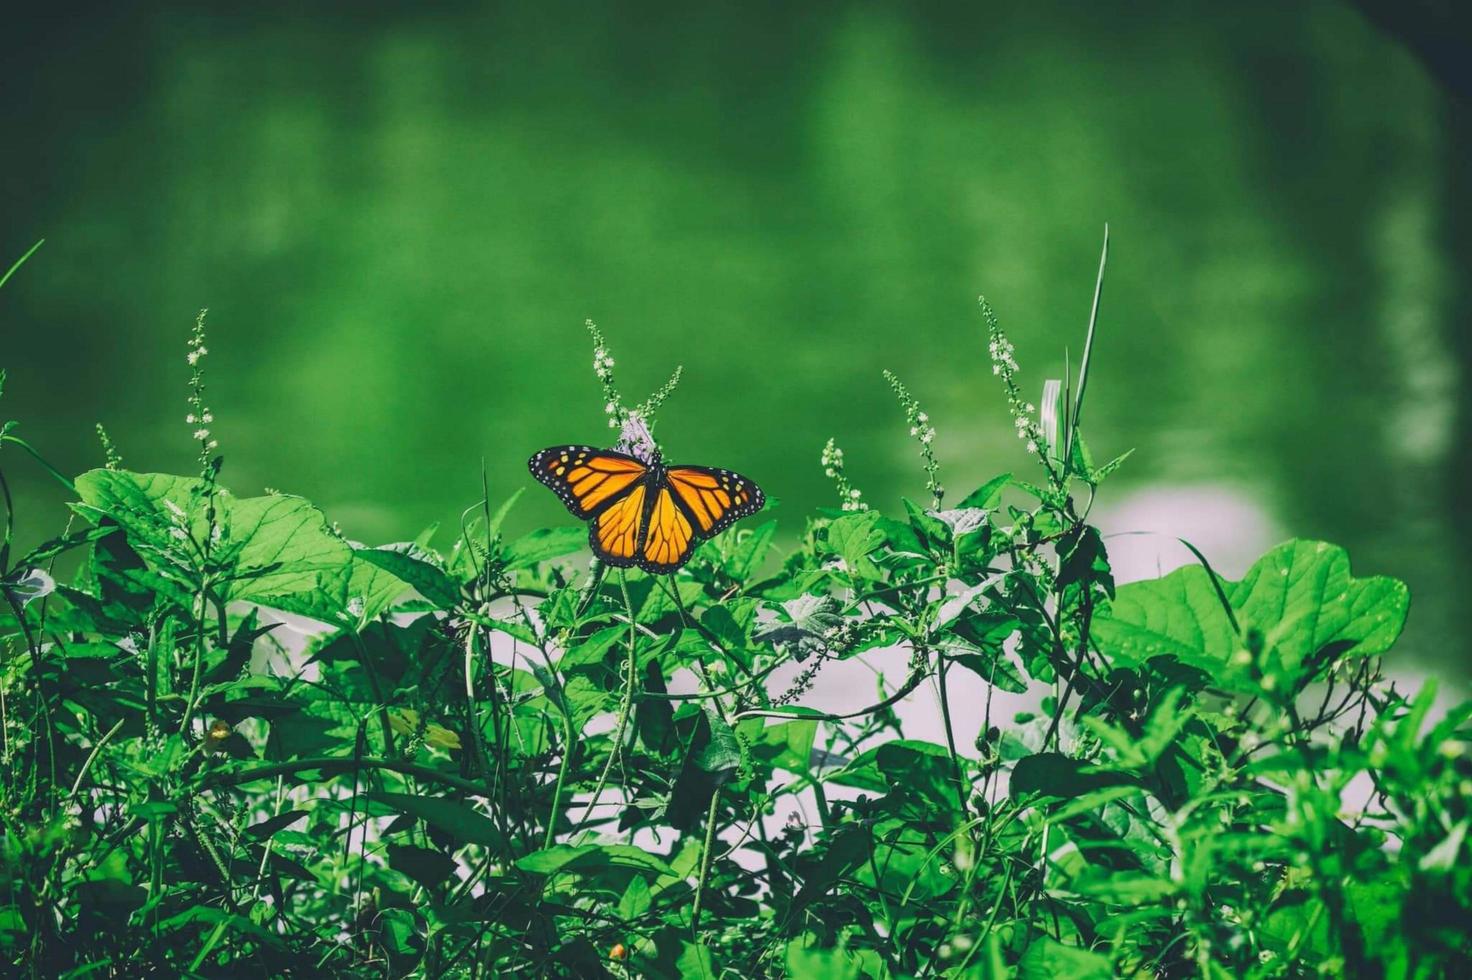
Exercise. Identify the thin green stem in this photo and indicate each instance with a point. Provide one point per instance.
(92, 757)
(705, 855)
(631, 666)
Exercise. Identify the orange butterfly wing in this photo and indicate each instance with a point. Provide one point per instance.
(670, 538)
(695, 503)
(616, 534)
(636, 520)
(585, 478)
(714, 498)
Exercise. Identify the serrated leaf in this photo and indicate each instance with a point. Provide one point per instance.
(426, 579)
(274, 545)
(1300, 597)
(543, 545)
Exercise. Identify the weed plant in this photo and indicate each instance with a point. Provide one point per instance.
(488, 758)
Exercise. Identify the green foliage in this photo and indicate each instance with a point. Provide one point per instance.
(490, 760)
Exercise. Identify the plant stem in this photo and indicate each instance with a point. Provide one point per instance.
(625, 704)
(705, 853)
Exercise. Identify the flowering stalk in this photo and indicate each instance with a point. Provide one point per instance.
(924, 433)
(848, 495)
(613, 405)
(199, 414)
(113, 460)
(634, 424)
(1023, 412)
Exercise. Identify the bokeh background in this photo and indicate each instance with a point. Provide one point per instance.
(400, 216)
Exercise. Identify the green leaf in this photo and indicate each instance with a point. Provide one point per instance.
(695, 962)
(987, 495)
(427, 580)
(592, 649)
(750, 550)
(635, 900)
(853, 536)
(1083, 559)
(920, 775)
(352, 596)
(1055, 774)
(722, 753)
(543, 545)
(1442, 858)
(1047, 958)
(788, 744)
(1300, 598)
(723, 626)
(805, 962)
(430, 868)
(462, 822)
(271, 546)
(593, 857)
(284, 542)
(269, 826)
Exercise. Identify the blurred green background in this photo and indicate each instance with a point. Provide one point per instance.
(399, 218)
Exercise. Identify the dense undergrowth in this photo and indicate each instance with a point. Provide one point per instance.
(1215, 781)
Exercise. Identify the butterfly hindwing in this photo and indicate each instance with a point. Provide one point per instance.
(585, 478)
(714, 498)
(618, 531)
(670, 536)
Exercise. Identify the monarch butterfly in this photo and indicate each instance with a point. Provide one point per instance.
(644, 513)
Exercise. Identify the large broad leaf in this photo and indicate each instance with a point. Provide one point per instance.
(1048, 958)
(461, 821)
(274, 545)
(593, 857)
(919, 775)
(1055, 774)
(426, 579)
(352, 596)
(284, 542)
(788, 744)
(1300, 598)
(543, 545)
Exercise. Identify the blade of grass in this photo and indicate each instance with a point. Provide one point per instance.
(21, 261)
(1083, 367)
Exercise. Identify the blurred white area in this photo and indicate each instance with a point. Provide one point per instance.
(1227, 524)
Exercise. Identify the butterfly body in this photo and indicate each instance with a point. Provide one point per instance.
(643, 512)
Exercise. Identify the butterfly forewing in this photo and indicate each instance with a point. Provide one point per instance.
(585, 478)
(714, 498)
